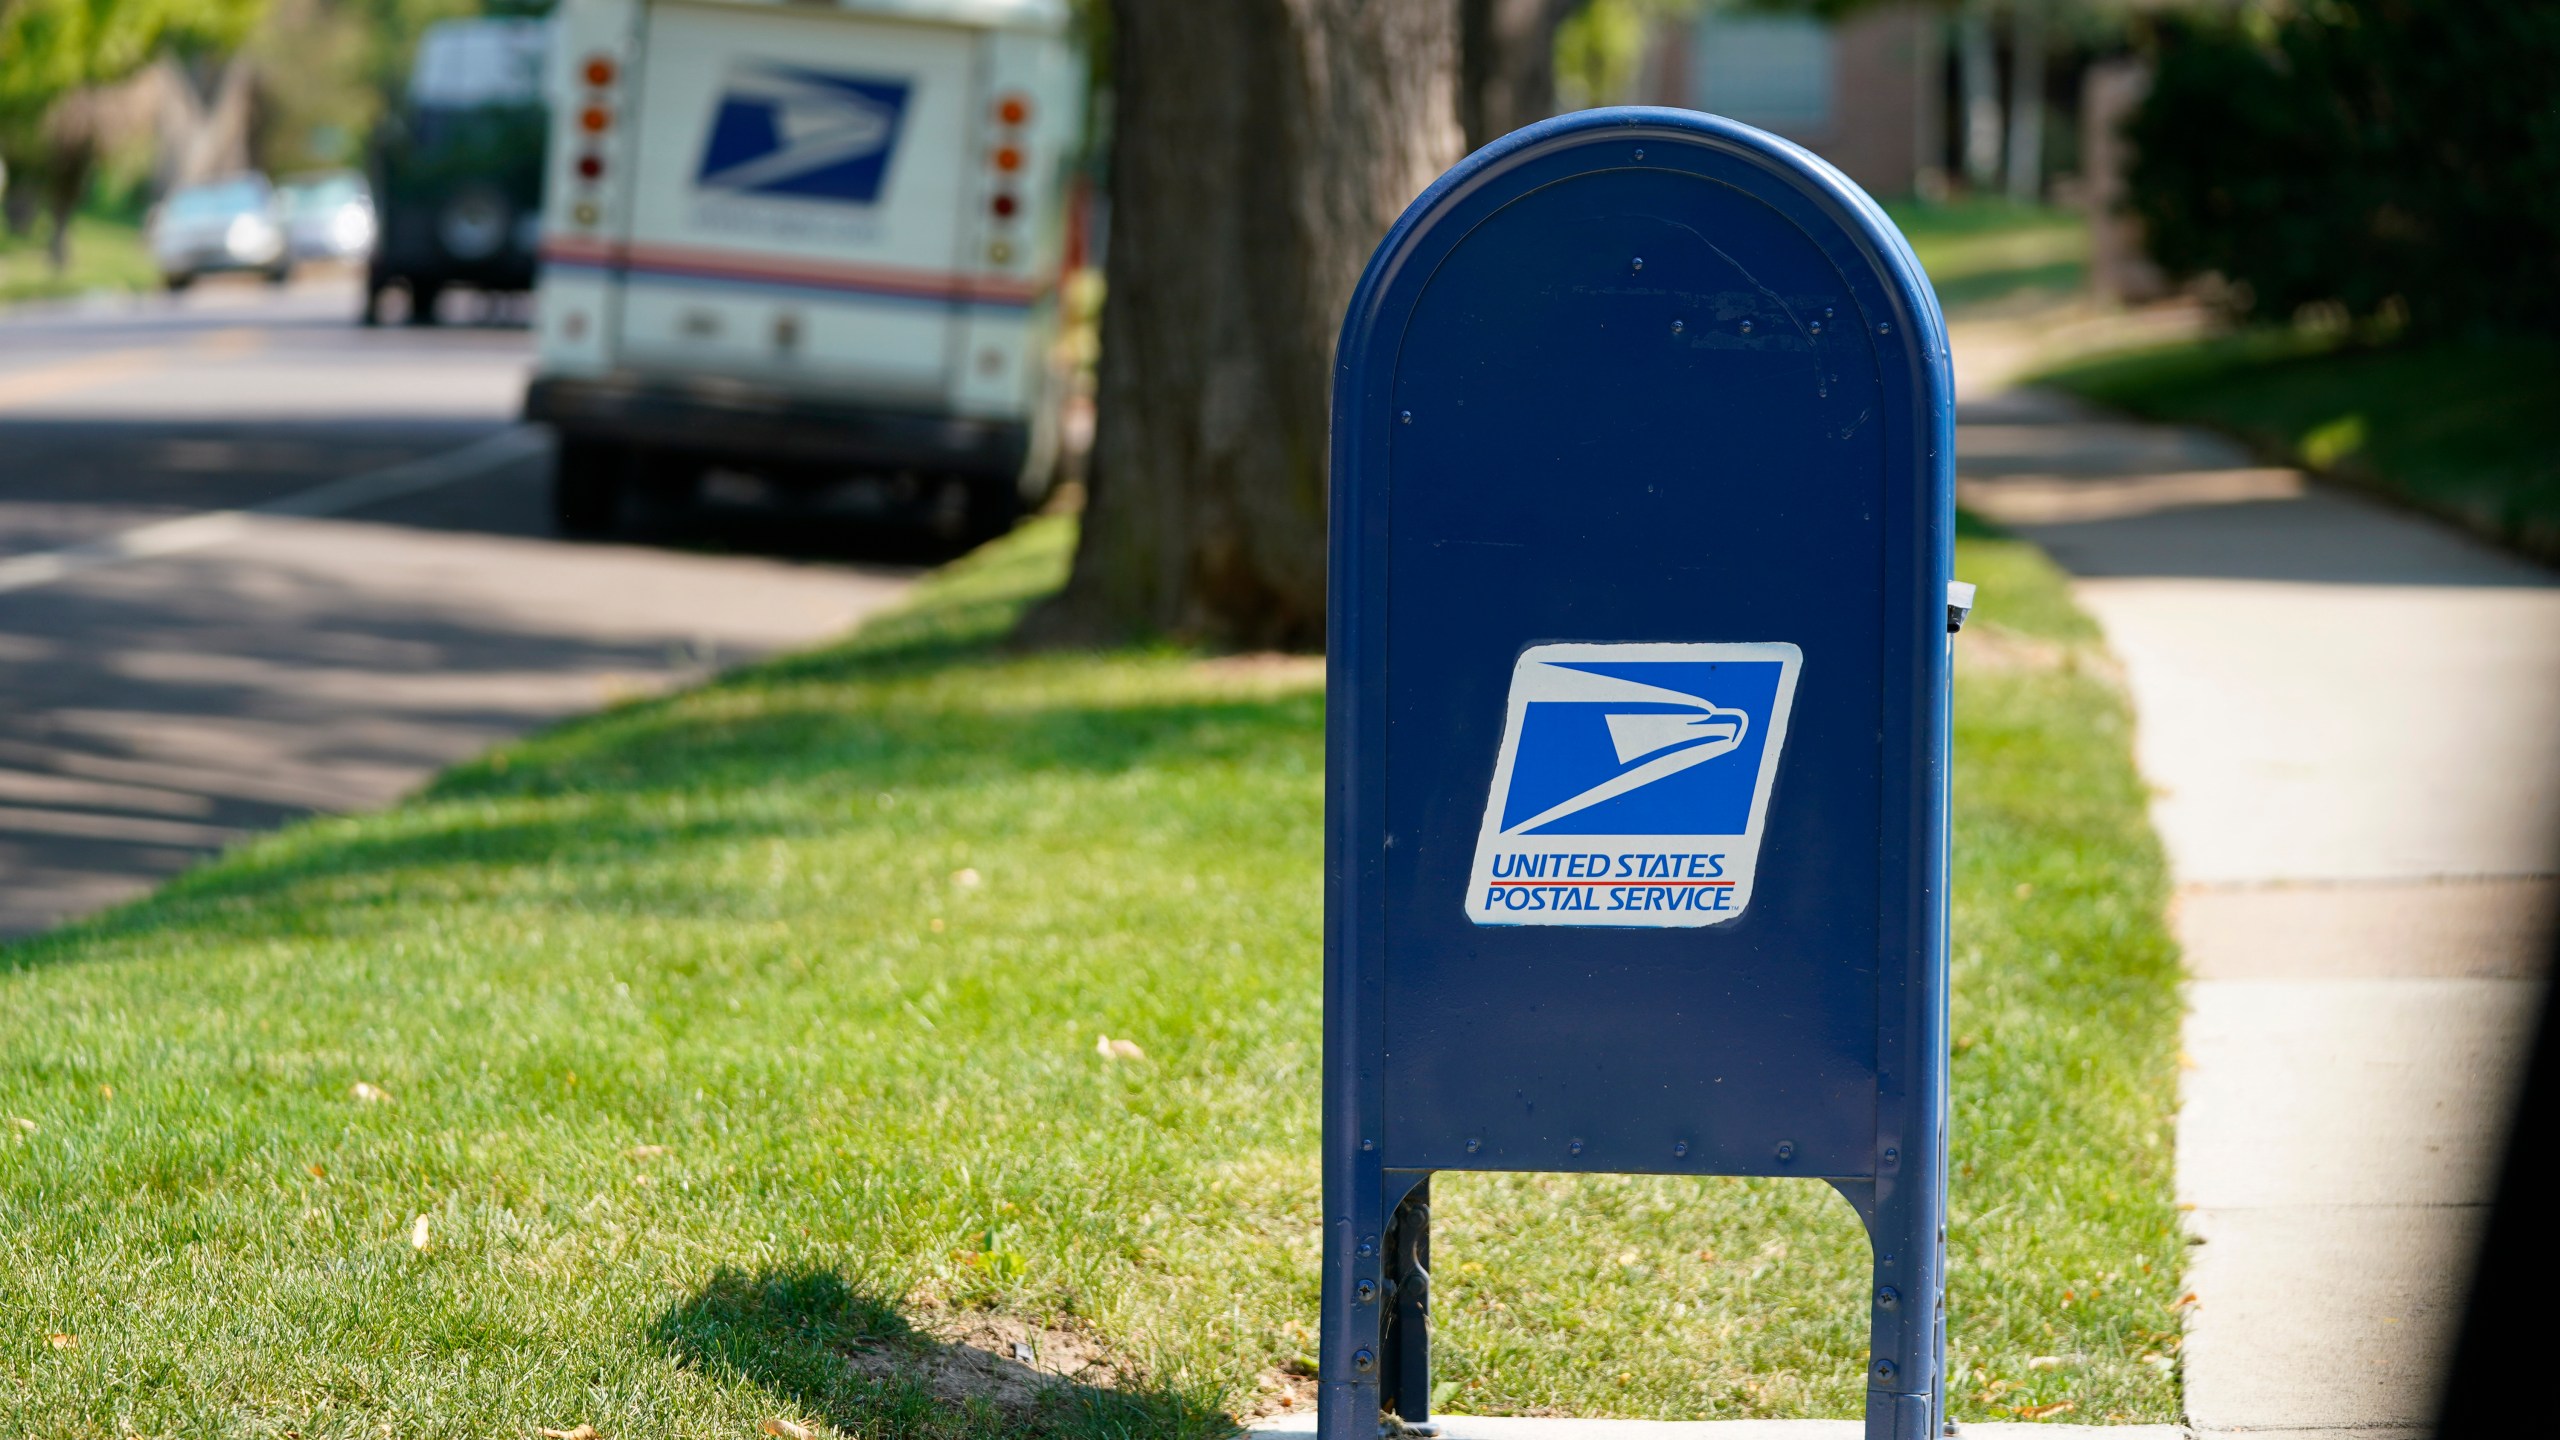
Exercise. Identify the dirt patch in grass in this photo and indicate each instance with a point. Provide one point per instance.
(980, 1357)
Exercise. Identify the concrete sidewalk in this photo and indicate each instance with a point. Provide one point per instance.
(2351, 718)
(1505, 1427)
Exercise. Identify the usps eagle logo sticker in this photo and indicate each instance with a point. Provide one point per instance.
(790, 131)
(1632, 784)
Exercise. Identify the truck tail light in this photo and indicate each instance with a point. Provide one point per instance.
(1013, 109)
(599, 70)
(590, 166)
(1004, 205)
(595, 119)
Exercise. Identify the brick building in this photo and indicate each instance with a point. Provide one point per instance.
(1865, 94)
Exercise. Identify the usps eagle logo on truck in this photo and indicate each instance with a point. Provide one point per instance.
(1632, 784)
(786, 130)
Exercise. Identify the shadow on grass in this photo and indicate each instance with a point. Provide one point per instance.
(669, 784)
(827, 1352)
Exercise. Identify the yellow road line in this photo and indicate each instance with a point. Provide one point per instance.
(26, 387)
(21, 388)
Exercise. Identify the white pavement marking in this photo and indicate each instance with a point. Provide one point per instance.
(335, 497)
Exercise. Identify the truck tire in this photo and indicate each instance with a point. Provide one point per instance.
(423, 295)
(586, 486)
(995, 506)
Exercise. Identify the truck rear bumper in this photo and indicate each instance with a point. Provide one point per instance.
(729, 418)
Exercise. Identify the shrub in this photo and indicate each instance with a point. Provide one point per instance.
(2376, 154)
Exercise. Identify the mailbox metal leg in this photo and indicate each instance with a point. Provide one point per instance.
(1405, 1381)
(1906, 1356)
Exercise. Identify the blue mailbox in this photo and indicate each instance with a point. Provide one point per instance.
(1636, 829)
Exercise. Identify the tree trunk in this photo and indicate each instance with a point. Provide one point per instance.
(66, 179)
(1507, 64)
(1260, 150)
(2026, 102)
(1978, 66)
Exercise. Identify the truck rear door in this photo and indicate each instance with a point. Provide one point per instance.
(799, 188)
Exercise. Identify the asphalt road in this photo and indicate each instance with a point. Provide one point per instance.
(257, 563)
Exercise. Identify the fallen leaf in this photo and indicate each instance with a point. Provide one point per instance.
(1110, 1049)
(368, 1093)
(789, 1430)
(106, 1092)
(2043, 1362)
(646, 1152)
(2039, 1412)
(934, 924)
(318, 1170)
(418, 1233)
(583, 1432)
(2158, 1361)
(23, 1123)
(60, 1341)
(2185, 1300)
(967, 878)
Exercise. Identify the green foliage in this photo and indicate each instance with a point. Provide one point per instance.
(106, 254)
(1599, 45)
(317, 96)
(2463, 428)
(50, 47)
(1987, 254)
(2383, 155)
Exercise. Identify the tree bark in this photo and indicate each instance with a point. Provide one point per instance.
(1260, 150)
(1507, 64)
(1978, 62)
(2026, 101)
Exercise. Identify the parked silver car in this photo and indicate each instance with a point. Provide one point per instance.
(229, 224)
(328, 217)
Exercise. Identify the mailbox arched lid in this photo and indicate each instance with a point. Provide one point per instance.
(1640, 378)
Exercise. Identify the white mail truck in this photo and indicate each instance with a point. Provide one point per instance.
(805, 253)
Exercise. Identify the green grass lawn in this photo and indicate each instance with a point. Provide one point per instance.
(1993, 255)
(2466, 430)
(730, 1056)
(106, 254)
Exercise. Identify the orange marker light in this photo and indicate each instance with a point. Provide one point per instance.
(599, 70)
(1008, 158)
(1013, 110)
(594, 119)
